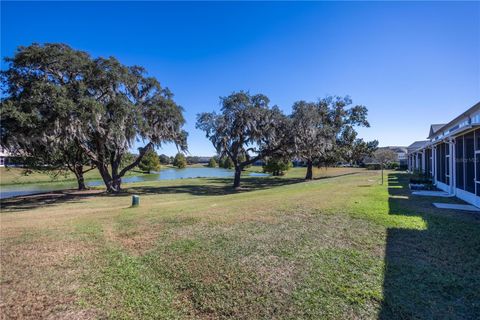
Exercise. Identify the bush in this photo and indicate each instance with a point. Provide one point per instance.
(150, 162)
(225, 163)
(277, 167)
(164, 159)
(392, 165)
(373, 166)
(421, 178)
(180, 161)
(212, 163)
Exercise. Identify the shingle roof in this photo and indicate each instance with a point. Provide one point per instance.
(417, 145)
(435, 127)
(470, 111)
(397, 149)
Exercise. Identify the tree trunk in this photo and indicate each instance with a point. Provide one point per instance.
(116, 184)
(309, 175)
(111, 184)
(236, 181)
(78, 171)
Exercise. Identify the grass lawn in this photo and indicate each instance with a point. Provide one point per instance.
(12, 175)
(340, 247)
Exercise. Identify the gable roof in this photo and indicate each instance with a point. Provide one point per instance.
(434, 128)
(417, 145)
(467, 113)
(397, 149)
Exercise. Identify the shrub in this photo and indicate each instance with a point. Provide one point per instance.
(277, 167)
(180, 161)
(225, 163)
(373, 166)
(212, 163)
(150, 162)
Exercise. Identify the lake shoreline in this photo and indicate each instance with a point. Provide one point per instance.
(8, 191)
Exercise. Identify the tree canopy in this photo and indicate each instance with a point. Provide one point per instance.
(247, 129)
(384, 156)
(164, 159)
(97, 105)
(320, 129)
(40, 88)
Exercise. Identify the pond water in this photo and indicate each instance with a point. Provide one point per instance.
(9, 191)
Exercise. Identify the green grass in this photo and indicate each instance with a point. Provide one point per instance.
(340, 247)
(10, 176)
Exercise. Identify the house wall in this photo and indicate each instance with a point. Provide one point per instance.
(453, 158)
(457, 165)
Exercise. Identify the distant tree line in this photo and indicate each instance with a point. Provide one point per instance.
(62, 109)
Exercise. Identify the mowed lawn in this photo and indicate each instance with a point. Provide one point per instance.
(340, 247)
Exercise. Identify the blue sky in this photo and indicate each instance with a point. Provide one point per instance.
(411, 63)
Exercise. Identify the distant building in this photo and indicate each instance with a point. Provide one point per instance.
(4, 157)
(204, 159)
(451, 155)
(416, 161)
(401, 154)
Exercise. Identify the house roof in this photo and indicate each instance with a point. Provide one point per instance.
(397, 149)
(467, 113)
(417, 145)
(434, 128)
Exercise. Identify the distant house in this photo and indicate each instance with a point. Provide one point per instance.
(451, 155)
(4, 157)
(415, 158)
(401, 154)
(204, 159)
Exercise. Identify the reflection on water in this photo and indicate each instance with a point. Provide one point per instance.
(165, 174)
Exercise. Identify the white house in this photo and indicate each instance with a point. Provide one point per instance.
(4, 154)
(451, 156)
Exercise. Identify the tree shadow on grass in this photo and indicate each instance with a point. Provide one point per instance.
(29, 202)
(432, 271)
(205, 187)
(213, 187)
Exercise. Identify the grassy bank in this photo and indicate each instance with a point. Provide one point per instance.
(11, 176)
(339, 247)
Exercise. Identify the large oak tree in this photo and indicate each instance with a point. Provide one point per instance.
(97, 105)
(320, 129)
(247, 129)
(40, 88)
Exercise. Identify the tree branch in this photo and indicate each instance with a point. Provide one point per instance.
(137, 161)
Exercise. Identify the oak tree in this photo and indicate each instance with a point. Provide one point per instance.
(246, 129)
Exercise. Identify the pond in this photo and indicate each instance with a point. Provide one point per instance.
(9, 191)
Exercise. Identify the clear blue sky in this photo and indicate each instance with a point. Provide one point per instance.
(411, 64)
